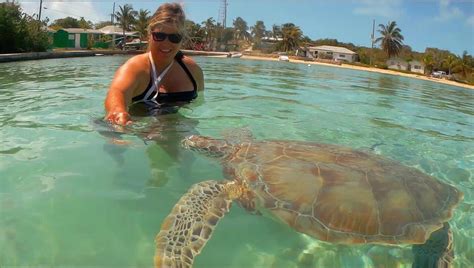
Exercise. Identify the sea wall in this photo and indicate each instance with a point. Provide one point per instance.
(60, 54)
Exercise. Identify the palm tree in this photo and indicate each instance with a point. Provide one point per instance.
(452, 63)
(391, 39)
(291, 35)
(240, 29)
(429, 63)
(85, 24)
(467, 62)
(141, 23)
(126, 18)
(209, 28)
(258, 31)
(195, 35)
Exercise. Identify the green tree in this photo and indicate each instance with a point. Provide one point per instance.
(227, 35)
(467, 63)
(240, 29)
(291, 35)
(429, 63)
(258, 31)
(141, 23)
(391, 39)
(67, 22)
(209, 26)
(85, 24)
(438, 57)
(452, 64)
(195, 35)
(125, 17)
(20, 32)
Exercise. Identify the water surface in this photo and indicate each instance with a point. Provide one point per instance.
(70, 196)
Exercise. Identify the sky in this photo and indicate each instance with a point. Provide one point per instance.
(443, 24)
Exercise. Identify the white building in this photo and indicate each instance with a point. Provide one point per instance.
(397, 64)
(332, 52)
(413, 66)
(417, 67)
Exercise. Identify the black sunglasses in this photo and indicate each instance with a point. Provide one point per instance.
(161, 36)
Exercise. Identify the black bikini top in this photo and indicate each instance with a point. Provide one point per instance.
(152, 93)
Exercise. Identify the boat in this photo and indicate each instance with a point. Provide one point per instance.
(234, 55)
(136, 44)
(283, 56)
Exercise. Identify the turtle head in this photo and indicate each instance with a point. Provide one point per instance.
(209, 146)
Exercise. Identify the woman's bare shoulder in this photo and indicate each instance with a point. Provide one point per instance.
(190, 62)
(194, 68)
(132, 75)
(138, 63)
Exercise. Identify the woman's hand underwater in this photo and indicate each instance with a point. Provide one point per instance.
(118, 118)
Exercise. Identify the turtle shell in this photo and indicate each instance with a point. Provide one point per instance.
(341, 195)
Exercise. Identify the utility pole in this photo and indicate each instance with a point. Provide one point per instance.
(39, 13)
(225, 14)
(372, 38)
(112, 17)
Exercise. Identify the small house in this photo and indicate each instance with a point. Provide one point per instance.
(332, 53)
(74, 37)
(417, 67)
(397, 64)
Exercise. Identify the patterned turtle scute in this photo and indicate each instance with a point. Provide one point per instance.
(341, 195)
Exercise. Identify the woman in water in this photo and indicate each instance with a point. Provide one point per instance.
(161, 76)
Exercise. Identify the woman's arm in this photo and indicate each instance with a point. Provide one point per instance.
(126, 82)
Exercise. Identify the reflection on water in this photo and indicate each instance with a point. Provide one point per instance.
(66, 189)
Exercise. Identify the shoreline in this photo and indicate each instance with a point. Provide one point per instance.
(91, 53)
(368, 69)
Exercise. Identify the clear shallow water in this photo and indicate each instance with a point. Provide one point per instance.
(71, 197)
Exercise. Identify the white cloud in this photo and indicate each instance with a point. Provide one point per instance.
(61, 9)
(385, 8)
(448, 12)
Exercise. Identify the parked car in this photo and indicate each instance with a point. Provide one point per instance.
(438, 74)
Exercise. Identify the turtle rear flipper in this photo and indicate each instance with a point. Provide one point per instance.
(437, 251)
(188, 227)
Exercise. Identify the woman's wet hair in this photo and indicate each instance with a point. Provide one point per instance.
(169, 13)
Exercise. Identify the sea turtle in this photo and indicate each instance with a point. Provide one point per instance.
(332, 193)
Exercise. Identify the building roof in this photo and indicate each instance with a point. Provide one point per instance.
(109, 30)
(333, 49)
(81, 30)
(112, 29)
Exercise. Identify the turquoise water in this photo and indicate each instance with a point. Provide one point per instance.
(71, 195)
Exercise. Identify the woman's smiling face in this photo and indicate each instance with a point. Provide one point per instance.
(165, 48)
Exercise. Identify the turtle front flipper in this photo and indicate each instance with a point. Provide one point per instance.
(187, 228)
(437, 251)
